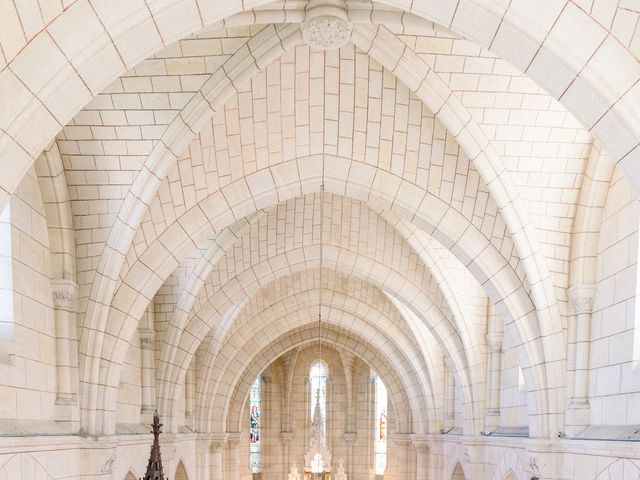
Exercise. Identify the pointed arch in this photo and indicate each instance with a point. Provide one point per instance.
(181, 472)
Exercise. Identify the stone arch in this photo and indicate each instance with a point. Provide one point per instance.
(454, 461)
(544, 296)
(458, 473)
(471, 139)
(263, 48)
(510, 467)
(309, 335)
(588, 219)
(540, 48)
(181, 472)
(388, 341)
(621, 468)
(214, 213)
(225, 240)
(130, 476)
(191, 290)
(57, 202)
(228, 296)
(25, 467)
(304, 290)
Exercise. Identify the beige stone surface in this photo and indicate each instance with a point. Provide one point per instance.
(185, 185)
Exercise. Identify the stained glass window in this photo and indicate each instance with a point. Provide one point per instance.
(254, 426)
(381, 427)
(318, 379)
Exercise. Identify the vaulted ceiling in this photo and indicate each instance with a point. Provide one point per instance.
(209, 157)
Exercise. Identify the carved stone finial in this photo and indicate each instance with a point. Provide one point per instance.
(326, 27)
(154, 467)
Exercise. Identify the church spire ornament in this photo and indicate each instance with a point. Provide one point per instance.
(317, 424)
(154, 467)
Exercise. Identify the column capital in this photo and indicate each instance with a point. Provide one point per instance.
(350, 438)
(420, 443)
(64, 293)
(401, 439)
(494, 342)
(217, 442)
(233, 439)
(581, 297)
(286, 437)
(147, 337)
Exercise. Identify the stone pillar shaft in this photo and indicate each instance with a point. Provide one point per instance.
(65, 293)
(286, 438)
(422, 458)
(147, 357)
(217, 449)
(189, 398)
(449, 399)
(233, 441)
(494, 347)
(403, 441)
(581, 296)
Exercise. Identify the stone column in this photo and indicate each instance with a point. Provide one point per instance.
(189, 398)
(494, 348)
(233, 441)
(288, 365)
(449, 399)
(350, 440)
(370, 427)
(266, 423)
(581, 297)
(147, 360)
(494, 338)
(422, 457)
(348, 360)
(286, 438)
(217, 449)
(65, 294)
(402, 442)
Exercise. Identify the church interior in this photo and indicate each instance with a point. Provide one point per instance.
(320, 239)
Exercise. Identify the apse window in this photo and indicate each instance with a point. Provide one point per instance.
(381, 432)
(6, 286)
(255, 413)
(318, 377)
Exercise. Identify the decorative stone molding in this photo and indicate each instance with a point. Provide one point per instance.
(233, 440)
(326, 26)
(420, 444)
(64, 294)
(147, 338)
(401, 439)
(350, 438)
(581, 297)
(218, 442)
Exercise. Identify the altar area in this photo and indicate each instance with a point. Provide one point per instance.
(317, 460)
